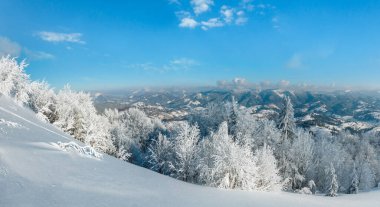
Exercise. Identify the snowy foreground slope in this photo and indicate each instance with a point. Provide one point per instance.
(35, 172)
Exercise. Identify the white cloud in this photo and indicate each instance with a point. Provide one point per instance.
(295, 62)
(61, 37)
(227, 13)
(247, 5)
(240, 81)
(38, 55)
(265, 84)
(211, 23)
(275, 22)
(241, 18)
(237, 84)
(179, 64)
(183, 62)
(201, 6)
(8, 47)
(188, 22)
(283, 83)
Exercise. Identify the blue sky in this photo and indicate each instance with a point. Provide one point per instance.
(101, 44)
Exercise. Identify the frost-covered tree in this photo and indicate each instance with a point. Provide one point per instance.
(161, 156)
(210, 118)
(78, 117)
(286, 121)
(122, 153)
(72, 112)
(246, 128)
(232, 119)
(225, 164)
(131, 130)
(332, 191)
(72, 108)
(252, 131)
(373, 139)
(42, 100)
(311, 185)
(300, 158)
(97, 134)
(354, 188)
(139, 126)
(185, 138)
(119, 134)
(267, 176)
(14, 82)
(328, 149)
(266, 132)
(365, 159)
(366, 163)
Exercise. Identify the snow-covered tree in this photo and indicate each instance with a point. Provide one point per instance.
(366, 163)
(185, 139)
(132, 131)
(332, 191)
(210, 118)
(72, 108)
(256, 132)
(42, 100)
(328, 149)
(72, 112)
(225, 164)
(139, 127)
(300, 157)
(78, 117)
(161, 156)
(365, 159)
(311, 185)
(119, 134)
(232, 119)
(122, 153)
(286, 122)
(14, 82)
(267, 177)
(354, 188)
(373, 139)
(266, 132)
(98, 134)
(246, 128)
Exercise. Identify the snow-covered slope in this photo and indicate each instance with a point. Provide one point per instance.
(35, 172)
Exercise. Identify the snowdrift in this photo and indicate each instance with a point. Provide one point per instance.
(35, 172)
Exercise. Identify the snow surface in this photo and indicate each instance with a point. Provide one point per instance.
(307, 118)
(34, 172)
(356, 125)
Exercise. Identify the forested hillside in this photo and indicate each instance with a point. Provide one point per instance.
(224, 146)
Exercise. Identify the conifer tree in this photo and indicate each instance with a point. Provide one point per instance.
(286, 122)
(233, 118)
(354, 188)
(332, 191)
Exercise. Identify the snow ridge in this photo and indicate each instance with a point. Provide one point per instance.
(86, 151)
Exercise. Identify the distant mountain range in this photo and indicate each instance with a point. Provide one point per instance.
(357, 111)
